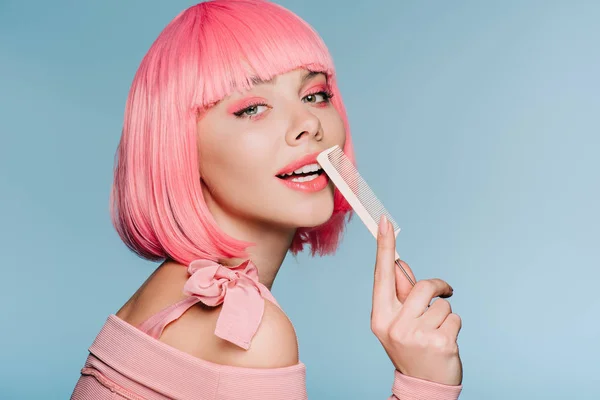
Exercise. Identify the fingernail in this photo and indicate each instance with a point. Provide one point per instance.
(383, 225)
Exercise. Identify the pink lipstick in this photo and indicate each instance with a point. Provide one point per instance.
(304, 174)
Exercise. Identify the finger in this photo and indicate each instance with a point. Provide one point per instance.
(403, 286)
(384, 292)
(421, 295)
(451, 325)
(436, 314)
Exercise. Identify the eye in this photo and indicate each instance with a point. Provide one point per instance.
(318, 97)
(251, 111)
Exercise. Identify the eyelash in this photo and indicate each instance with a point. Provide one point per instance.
(327, 95)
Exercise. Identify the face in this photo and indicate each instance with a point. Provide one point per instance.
(249, 140)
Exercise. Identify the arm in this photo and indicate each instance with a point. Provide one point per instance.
(409, 388)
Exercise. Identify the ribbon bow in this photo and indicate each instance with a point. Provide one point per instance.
(240, 292)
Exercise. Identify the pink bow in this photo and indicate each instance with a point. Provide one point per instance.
(240, 292)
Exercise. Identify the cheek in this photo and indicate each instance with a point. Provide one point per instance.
(230, 159)
(333, 126)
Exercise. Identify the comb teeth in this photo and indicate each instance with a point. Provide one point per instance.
(353, 187)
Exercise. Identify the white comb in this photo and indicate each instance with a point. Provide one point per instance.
(359, 195)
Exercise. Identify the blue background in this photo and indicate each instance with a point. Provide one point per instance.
(476, 123)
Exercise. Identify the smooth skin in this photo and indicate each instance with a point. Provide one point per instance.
(419, 339)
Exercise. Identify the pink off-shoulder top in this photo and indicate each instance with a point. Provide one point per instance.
(128, 362)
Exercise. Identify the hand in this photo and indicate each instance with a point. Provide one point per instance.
(420, 341)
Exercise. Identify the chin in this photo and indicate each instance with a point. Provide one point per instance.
(311, 215)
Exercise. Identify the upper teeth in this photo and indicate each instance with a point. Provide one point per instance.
(306, 169)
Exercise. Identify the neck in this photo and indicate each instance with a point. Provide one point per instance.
(271, 243)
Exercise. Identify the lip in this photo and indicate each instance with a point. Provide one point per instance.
(299, 163)
(316, 185)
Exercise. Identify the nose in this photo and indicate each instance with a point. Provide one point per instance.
(305, 126)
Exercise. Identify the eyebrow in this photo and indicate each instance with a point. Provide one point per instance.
(309, 75)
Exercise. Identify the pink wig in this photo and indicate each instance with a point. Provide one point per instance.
(202, 56)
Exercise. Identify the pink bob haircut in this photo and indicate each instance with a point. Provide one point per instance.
(203, 55)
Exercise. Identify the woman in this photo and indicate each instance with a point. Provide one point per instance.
(216, 175)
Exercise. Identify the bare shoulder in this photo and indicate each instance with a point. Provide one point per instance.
(274, 345)
(160, 290)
